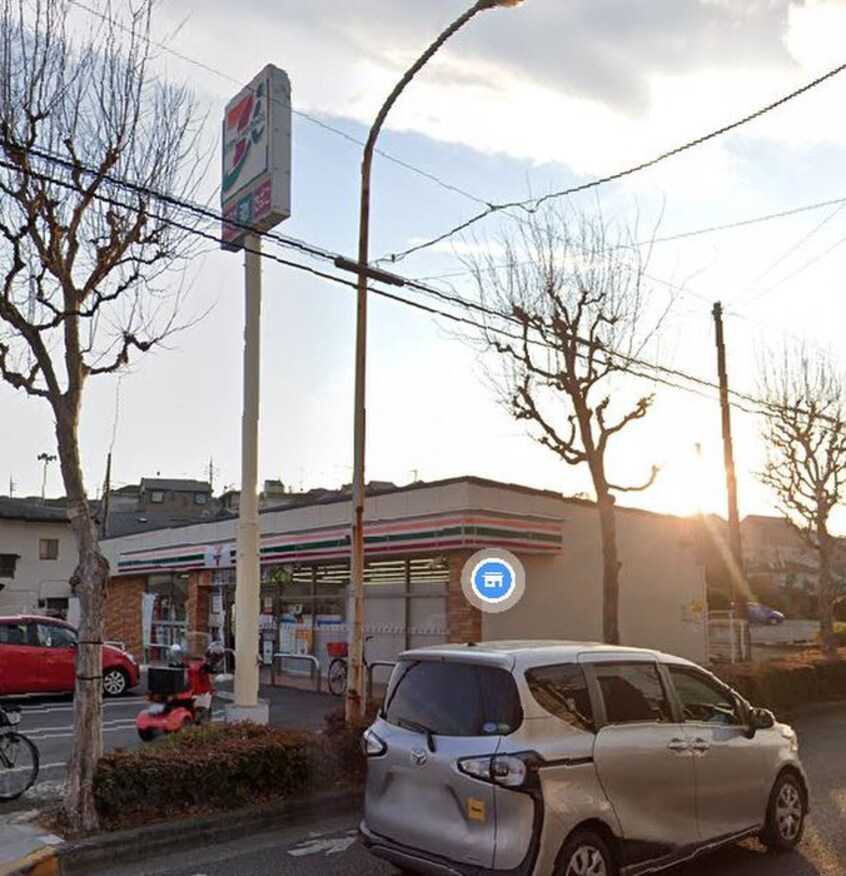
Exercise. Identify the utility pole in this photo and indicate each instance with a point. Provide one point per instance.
(107, 489)
(728, 456)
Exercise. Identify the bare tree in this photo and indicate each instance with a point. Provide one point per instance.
(805, 436)
(566, 311)
(86, 136)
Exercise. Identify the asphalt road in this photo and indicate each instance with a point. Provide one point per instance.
(329, 847)
(49, 721)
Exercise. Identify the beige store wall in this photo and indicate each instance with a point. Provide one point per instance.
(661, 586)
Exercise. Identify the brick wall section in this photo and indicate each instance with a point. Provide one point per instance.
(197, 609)
(123, 612)
(464, 621)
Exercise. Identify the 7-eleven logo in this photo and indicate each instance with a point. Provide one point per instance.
(246, 119)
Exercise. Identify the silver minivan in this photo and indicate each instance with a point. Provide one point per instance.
(570, 759)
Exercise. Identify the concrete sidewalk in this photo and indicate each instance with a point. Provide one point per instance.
(27, 848)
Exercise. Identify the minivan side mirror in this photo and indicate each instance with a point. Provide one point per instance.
(760, 719)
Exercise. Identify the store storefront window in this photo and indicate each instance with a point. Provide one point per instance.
(166, 609)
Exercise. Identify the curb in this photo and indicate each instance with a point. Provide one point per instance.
(44, 862)
(139, 843)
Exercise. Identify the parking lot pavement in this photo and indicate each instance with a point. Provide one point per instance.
(788, 632)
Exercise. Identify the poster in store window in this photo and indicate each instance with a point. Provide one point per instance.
(287, 634)
(147, 604)
(304, 634)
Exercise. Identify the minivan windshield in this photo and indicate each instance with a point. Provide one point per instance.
(453, 699)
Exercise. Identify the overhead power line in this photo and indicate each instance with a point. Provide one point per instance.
(533, 204)
(202, 65)
(633, 365)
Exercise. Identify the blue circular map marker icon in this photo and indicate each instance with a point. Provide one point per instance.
(493, 580)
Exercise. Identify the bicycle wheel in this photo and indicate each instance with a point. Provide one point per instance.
(18, 765)
(336, 678)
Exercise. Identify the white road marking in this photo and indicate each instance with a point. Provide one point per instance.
(111, 725)
(49, 708)
(328, 846)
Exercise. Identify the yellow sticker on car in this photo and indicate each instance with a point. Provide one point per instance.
(475, 809)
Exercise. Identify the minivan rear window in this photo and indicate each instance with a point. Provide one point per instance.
(453, 699)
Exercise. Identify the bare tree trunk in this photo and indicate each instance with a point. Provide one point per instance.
(88, 584)
(610, 569)
(828, 644)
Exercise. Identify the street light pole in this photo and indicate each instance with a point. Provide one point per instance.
(355, 700)
(46, 458)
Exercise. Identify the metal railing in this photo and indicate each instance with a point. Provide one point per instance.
(728, 637)
(313, 662)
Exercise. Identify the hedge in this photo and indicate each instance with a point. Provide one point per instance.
(224, 766)
(784, 685)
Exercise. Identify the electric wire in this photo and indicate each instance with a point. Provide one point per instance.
(702, 383)
(695, 232)
(532, 205)
(201, 65)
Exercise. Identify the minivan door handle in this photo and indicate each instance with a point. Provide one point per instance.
(678, 745)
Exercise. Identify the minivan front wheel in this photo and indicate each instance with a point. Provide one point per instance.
(586, 854)
(785, 814)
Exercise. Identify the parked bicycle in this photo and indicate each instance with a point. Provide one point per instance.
(18, 757)
(336, 677)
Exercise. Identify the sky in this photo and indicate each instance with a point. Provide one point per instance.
(522, 102)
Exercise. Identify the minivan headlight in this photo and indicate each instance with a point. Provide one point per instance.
(372, 745)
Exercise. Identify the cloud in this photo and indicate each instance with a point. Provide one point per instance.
(600, 51)
(593, 86)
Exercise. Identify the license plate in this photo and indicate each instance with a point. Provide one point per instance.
(156, 709)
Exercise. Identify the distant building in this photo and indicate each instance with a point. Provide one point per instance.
(37, 557)
(779, 556)
(157, 502)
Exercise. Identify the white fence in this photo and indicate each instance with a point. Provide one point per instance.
(728, 638)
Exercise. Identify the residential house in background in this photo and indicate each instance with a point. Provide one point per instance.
(37, 557)
(157, 502)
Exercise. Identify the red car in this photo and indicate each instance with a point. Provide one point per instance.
(38, 655)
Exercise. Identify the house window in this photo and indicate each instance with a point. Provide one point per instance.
(48, 548)
(7, 565)
(200, 498)
(157, 496)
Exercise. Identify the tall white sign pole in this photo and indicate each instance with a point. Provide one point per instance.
(255, 196)
(248, 570)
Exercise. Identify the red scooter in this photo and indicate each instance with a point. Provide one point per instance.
(180, 694)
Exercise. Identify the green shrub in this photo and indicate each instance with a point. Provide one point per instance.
(224, 766)
(783, 685)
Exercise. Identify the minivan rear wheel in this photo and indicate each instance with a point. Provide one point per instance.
(785, 814)
(586, 853)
